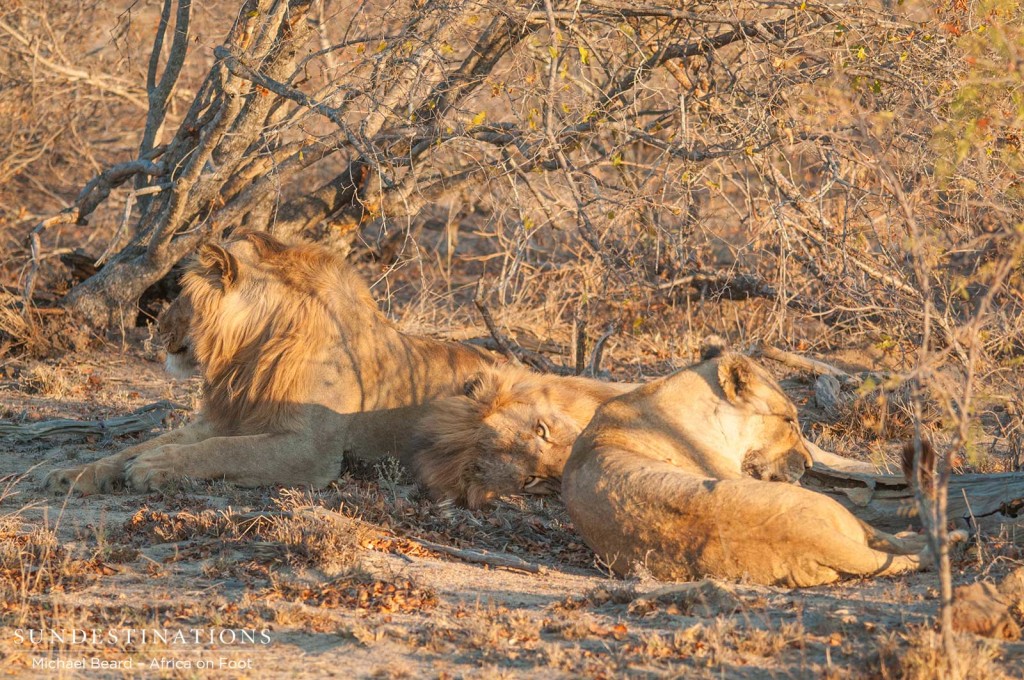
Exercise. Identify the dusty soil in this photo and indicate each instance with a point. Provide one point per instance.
(287, 590)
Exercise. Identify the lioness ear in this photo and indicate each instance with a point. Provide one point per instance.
(220, 263)
(712, 347)
(734, 375)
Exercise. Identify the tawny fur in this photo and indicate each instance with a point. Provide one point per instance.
(660, 478)
(292, 349)
(511, 432)
(172, 330)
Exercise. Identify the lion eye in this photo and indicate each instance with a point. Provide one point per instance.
(542, 430)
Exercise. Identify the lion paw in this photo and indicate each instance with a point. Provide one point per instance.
(958, 536)
(84, 479)
(151, 471)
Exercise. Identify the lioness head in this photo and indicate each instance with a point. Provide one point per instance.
(763, 418)
(506, 434)
(173, 330)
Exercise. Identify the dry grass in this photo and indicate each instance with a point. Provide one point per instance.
(918, 655)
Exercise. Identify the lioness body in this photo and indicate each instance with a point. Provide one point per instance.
(292, 347)
(661, 477)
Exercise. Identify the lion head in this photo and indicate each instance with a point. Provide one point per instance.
(511, 432)
(265, 315)
(172, 328)
(764, 415)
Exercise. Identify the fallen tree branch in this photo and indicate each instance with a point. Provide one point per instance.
(887, 501)
(141, 420)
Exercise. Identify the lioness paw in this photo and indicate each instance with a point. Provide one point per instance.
(61, 481)
(958, 536)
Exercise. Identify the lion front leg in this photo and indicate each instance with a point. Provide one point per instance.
(251, 460)
(102, 475)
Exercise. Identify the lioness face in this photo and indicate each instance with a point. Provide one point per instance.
(173, 331)
(524, 449)
(764, 416)
(784, 457)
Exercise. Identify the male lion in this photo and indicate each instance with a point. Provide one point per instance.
(512, 431)
(661, 477)
(291, 345)
(172, 328)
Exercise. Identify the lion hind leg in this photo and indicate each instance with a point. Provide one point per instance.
(906, 543)
(853, 558)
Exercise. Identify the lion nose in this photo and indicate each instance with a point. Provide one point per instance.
(808, 460)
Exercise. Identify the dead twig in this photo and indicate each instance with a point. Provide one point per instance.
(807, 364)
(598, 354)
(503, 343)
(493, 559)
(579, 342)
(510, 349)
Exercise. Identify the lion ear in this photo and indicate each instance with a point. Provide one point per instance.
(735, 373)
(712, 347)
(263, 243)
(472, 386)
(220, 263)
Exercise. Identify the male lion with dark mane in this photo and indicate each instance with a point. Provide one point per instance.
(662, 477)
(292, 347)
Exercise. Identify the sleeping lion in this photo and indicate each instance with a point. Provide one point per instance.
(662, 476)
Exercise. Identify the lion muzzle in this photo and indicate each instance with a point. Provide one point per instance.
(789, 467)
(542, 486)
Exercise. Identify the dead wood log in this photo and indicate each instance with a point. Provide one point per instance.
(887, 501)
(141, 420)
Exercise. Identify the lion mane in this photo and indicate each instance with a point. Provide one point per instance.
(511, 431)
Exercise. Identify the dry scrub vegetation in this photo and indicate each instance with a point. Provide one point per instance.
(836, 179)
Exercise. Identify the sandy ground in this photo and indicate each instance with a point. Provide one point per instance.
(355, 595)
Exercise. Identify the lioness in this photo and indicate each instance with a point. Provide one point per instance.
(512, 431)
(661, 477)
(290, 344)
